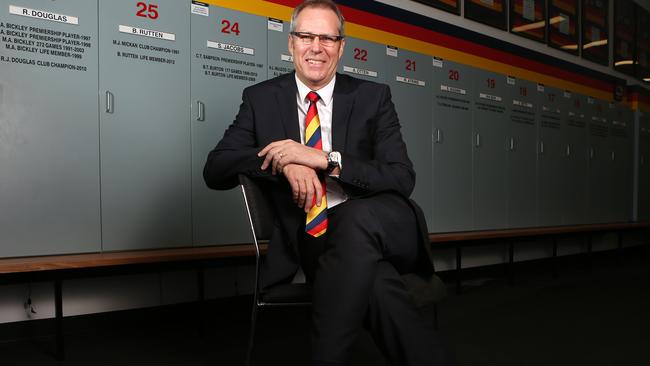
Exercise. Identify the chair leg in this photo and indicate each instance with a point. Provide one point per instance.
(251, 336)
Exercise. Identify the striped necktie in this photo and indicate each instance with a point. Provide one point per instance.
(317, 217)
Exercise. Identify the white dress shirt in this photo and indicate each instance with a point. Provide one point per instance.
(335, 193)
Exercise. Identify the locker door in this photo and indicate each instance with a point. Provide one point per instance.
(452, 148)
(49, 176)
(552, 162)
(644, 166)
(577, 155)
(279, 60)
(522, 154)
(599, 187)
(228, 54)
(145, 132)
(621, 143)
(490, 148)
(410, 82)
(364, 59)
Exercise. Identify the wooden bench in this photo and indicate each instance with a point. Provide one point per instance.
(57, 268)
(458, 240)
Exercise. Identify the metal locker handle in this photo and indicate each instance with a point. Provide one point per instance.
(478, 140)
(512, 144)
(568, 150)
(109, 102)
(438, 137)
(613, 155)
(200, 106)
(591, 153)
(541, 147)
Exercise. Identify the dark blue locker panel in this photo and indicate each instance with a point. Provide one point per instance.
(522, 153)
(364, 59)
(452, 149)
(622, 143)
(229, 53)
(279, 60)
(145, 132)
(490, 150)
(49, 146)
(410, 80)
(599, 185)
(552, 156)
(576, 152)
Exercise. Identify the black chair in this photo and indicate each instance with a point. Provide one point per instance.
(425, 291)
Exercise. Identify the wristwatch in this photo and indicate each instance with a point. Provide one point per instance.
(333, 161)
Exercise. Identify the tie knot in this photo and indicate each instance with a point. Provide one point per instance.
(313, 97)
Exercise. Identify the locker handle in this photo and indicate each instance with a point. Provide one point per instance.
(109, 102)
(613, 155)
(541, 147)
(438, 135)
(200, 107)
(478, 140)
(568, 150)
(512, 144)
(591, 153)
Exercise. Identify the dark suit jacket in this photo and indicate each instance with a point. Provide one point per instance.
(365, 130)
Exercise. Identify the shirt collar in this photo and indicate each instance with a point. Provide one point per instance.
(325, 93)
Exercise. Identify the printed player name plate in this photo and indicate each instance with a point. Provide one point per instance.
(495, 98)
(147, 33)
(522, 104)
(358, 71)
(42, 14)
(406, 80)
(452, 89)
(286, 58)
(437, 62)
(231, 47)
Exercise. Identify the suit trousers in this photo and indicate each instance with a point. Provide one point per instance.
(355, 270)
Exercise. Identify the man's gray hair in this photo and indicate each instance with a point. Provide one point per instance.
(327, 4)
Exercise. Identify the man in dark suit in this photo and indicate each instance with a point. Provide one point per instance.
(330, 148)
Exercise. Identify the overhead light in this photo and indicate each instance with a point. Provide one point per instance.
(600, 42)
(569, 47)
(527, 27)
(624, 62)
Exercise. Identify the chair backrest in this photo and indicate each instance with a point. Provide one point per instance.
(259, 207)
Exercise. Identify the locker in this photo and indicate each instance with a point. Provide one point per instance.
(229, 53)
(622, 144)
(551, 193)
(410, 80)
(577, 156)
(49, 147)
(145, 132)
(522, 153)
(489, 151)
(599, 187)
(452, 149)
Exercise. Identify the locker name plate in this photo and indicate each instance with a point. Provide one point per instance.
(147, 33)
(358, 71)
(42, 14)
(286, 58)
(406, 80)
(231, 47)
(452, 89)
(200, 8)
(495, 98)
(522, 104)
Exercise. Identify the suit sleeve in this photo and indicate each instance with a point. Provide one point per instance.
(236, 153)
(389, 167)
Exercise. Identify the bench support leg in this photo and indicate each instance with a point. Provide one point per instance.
(58, 313)
(458, 269)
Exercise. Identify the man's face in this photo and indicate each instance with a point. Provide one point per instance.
(316, 64)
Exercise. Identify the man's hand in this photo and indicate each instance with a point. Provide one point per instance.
(279, 154)
(304, 185)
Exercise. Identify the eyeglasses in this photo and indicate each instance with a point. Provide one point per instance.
(325, 40)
